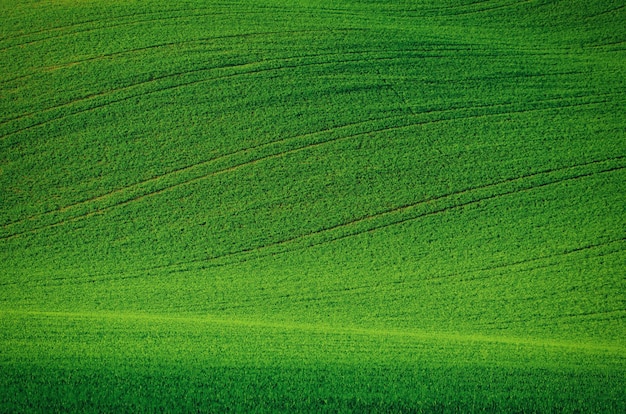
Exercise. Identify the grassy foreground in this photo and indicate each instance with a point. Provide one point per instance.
(305, 206)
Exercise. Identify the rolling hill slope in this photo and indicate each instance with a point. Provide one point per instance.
(311, 206)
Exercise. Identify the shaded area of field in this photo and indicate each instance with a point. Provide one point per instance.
(128, 362)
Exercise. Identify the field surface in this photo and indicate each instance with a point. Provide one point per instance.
(313, 206)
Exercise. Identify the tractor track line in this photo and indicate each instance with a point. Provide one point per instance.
(86, 22)
(144, 21)
(399, 54)
(88, 98)
(608, 11)
(385, 213)
(405, 220)
(254, 161)
(101, 277)
(327, 130)
(523, 262)
(392, 286)
(201, 163)
(184, 43)
(488, 9)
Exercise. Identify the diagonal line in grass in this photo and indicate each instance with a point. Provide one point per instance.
(198, 171)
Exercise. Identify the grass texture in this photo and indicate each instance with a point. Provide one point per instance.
(312, 206)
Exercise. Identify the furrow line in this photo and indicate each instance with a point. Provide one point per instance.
(182, 84)
(412, 283)
(116, 90)
(560, 319)
(187, 182)
(487, 9)
(459, 6)
(400, 54)
(466, 8)
(452, 204)
(202, 163)
(94, 29)
(608, 11)
(137, 22)
(393, 285)
(124, 16)
(208, 69)
(253, 161)
(426, 112)
(589, 313)
(187, 42)
(535, 259)
(434, 212)
(617, 42)
(86, 22)
(137, 274)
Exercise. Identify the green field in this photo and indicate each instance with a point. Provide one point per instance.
(313, 206)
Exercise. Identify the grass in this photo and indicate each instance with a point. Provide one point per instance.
(306, 206)
(116, 361)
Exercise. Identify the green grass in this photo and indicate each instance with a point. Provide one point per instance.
(310, 206)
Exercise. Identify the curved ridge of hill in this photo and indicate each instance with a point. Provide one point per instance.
(311, 206)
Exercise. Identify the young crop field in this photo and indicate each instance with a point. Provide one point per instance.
(313, 206)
